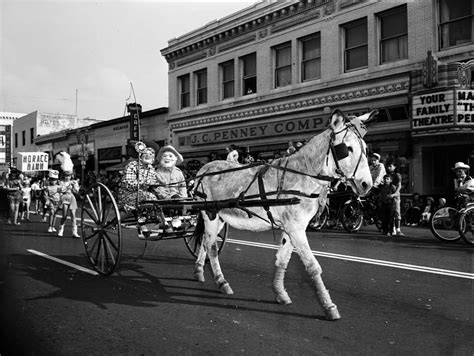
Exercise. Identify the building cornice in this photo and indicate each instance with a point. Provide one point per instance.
(248, 25)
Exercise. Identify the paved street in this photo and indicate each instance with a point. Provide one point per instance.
(410, 295)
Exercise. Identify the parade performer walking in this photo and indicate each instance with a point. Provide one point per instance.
(52, 195)
(14, 195)
(69, 187)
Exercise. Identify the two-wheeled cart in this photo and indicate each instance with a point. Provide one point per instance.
(102, 223)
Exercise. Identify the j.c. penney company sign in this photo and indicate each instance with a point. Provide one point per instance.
(257, 131)
(446, 108)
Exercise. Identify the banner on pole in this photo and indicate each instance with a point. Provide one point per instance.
(32, 161)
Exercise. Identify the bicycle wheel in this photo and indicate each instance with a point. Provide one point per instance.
(466, 225)
(352, 216)
(318, 224)
(443, 224)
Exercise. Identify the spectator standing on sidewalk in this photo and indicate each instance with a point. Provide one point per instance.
(385, 203)
(377, 169)
(397, 182)
(232, 154)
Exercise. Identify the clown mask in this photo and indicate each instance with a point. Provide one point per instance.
(168, 159)
(148, 156)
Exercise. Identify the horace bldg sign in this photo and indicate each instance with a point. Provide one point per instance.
(32, 161)
(447, 108)
(257, 131)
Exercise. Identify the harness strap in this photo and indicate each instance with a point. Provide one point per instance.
(263, 196)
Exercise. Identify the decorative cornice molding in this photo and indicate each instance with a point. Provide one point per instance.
(237, 42)
(190, 59)
(317, 101)
(295, 21)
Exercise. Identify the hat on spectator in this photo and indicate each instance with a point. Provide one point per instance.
(376, 155)
(171, 149)
(54, 174)
(460, 165)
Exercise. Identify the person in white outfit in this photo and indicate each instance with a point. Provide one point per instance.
(68, 187)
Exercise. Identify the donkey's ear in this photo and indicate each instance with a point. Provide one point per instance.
(337, 120)
(369, 117)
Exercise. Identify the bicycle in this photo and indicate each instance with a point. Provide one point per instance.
(450, 223)
(357, 211)
(466, 224)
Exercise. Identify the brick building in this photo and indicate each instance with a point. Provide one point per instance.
(272, 73)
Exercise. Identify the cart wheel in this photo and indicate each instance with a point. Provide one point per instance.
(466, 225)
(443, 224)
(193, 242)
(101, 231)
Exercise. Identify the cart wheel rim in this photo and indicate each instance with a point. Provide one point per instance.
(193, 241)
(101, 230)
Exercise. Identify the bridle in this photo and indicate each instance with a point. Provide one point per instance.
(341, 151)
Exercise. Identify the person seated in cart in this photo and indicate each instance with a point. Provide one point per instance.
(138, 176)
(170, 179)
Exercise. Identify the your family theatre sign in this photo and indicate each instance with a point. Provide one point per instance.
(447, 108)
(257, 131)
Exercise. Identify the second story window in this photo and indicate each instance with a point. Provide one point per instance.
(227, 70)
(249, 74)
(201, 88)
(16, 139)
(393, 35)
(455, 23)
(355, 45)
(23, 138)
(184, 90)
(32, 135)
(311, 57)
(283, 65)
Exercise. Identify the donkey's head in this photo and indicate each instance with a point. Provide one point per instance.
(349, 151)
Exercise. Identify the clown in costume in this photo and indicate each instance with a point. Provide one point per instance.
(69, 187)
(170, 178)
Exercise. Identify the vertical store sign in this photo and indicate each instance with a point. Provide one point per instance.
(135, 110)
(8, 145)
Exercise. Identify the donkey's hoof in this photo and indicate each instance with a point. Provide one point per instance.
(332, 313)
(199, 276)
(283, 299)
(225, 289)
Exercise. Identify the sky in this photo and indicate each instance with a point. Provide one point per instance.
(84, 56)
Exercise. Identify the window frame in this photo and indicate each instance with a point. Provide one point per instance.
(184, 96)
(249, 78)
(285, 67)
(32, 135)
(225, 83)
(394, 11)
(304, 61)
(23, 138)
(347, 26)
(201, 88)
(451, 21)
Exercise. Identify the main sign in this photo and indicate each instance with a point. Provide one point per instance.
(257, 131)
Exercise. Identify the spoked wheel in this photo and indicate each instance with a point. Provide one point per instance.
(352, 216)
(318, 223)
(101, 231)
(466, 225)
(443, 224)
(193, 242)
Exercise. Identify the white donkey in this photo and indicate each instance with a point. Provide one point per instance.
(339, 152)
